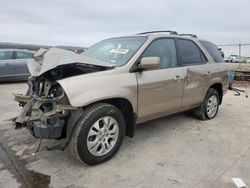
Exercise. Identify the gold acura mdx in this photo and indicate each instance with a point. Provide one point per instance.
(93, 99)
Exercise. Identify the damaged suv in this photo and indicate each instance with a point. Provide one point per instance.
(93, 99)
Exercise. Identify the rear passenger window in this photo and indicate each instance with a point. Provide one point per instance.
(165, 50)
(19, 55)
(213, 51)
(28, 55)
(190, 54)
(5, 55)
(23, 55)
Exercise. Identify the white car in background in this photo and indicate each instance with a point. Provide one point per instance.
(237, 59)
(231, 58)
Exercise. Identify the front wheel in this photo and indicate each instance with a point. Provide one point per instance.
(98, 135)
(209, 107)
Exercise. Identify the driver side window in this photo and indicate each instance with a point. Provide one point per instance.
(165, 50)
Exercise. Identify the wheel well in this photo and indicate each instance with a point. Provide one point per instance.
(127, 109)
(219, 89)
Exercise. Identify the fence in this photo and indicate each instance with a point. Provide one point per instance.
(242, 50)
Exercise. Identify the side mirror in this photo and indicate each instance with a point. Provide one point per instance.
(149, 63)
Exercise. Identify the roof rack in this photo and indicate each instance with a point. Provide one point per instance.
(191, 35)
(170, 32)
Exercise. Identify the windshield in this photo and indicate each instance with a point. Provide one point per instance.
(117, 51)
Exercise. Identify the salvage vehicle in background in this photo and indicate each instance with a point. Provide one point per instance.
(230, 58)
(93, 99)
(248, 60)
(237, 59)
(13, 64)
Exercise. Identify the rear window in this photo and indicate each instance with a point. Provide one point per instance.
(213, 51)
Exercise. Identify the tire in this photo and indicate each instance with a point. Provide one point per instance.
(87, 142)
(203, 112)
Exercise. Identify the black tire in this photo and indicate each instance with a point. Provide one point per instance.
(78, 143)
(201, 112)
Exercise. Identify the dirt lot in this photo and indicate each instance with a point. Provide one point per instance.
(175, 151)
(240, 66)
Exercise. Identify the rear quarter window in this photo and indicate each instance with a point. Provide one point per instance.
(213, 51)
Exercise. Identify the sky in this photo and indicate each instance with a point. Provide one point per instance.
(83, 23)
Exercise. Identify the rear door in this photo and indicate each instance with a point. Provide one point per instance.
(20, 64)
(6, 65)
(196, 71)
(160, 90)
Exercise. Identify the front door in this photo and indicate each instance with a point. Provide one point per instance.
(160, 90)
(6, 65)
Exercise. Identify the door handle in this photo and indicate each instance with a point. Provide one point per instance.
(208, 73)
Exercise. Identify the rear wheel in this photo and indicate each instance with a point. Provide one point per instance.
(98, 135)
(209, 107)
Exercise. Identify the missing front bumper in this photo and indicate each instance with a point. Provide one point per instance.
(50, 131)
(43, 121)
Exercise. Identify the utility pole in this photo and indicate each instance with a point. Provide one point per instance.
(240, 50)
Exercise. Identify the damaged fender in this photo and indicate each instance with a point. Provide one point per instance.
(46, 107)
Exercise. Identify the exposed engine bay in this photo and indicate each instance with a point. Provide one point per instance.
(46, 107)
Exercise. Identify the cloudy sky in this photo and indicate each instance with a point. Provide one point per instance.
(82, 23)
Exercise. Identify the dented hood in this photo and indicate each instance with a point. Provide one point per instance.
(45, 60)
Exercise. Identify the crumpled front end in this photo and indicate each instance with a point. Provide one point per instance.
(45, 105)
(45, 108)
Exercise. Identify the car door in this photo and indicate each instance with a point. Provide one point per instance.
(196, 71)
(6, 65)
(20, 64)
(160, 90)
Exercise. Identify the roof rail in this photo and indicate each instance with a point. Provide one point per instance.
(170, 32)
(191, 35)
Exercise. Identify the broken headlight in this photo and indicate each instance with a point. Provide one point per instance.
(56, 91)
